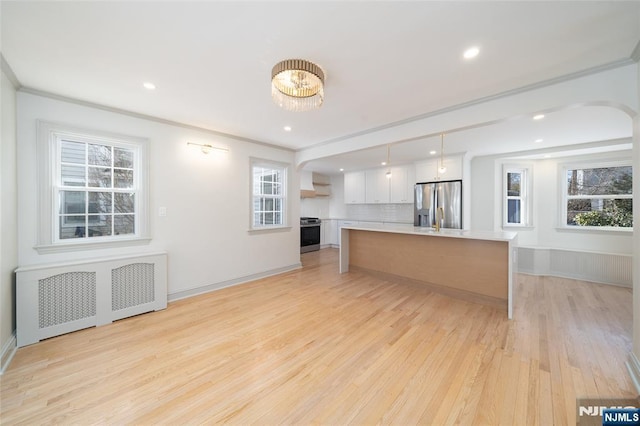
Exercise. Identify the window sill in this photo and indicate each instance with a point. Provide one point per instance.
(518, 227)
(69, 247)
(596, 230)
(269, 229)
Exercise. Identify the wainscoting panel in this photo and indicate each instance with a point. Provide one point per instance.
(59, 298)
(603, 268)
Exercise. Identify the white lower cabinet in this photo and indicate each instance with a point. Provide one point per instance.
(329, 233)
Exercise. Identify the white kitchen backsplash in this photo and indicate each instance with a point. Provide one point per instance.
(314, 207)
(401, 213)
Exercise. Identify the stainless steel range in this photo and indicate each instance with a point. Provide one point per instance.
(309, 234)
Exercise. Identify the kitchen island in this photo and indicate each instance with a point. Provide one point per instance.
(474, 265)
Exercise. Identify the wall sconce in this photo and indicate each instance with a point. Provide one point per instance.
(206, 148)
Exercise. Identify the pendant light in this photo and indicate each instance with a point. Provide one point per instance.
(388, 174)
(442, 169)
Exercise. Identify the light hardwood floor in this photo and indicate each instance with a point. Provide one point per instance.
(314, 346)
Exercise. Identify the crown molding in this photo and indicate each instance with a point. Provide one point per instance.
(539, 85)
(57, 97)
(6, 69)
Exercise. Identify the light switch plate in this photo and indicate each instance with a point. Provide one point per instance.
(162, 211)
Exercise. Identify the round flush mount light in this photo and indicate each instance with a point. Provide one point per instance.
(297, 85)
(287, 128)
(148, 85)
(433, 152)
(342, 170)
(538, 140)
(538, 116)
(471, 52)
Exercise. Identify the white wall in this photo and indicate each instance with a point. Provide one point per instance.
(338, 209)
(207, 198)
(8, 214)
(486, 204)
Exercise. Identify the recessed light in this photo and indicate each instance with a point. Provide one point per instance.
(538, 140)
(287, 128)
(471, 52)
(432, 152)
(342, 170)
(148, 85)
(384, 163)
(547, 156)
(538, 116)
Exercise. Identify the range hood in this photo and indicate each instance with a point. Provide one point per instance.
(314, 185)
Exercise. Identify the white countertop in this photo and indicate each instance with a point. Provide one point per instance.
(450, 233)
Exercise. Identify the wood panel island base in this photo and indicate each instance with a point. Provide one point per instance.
(475, 266)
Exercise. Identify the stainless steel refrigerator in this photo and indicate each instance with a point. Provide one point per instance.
(430, 196)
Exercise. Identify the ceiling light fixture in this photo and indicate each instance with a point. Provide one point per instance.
(538, 116)
(388, 174)
(538, 140)
(442, 169)
(149, 86)
(471, 53)
(287, 128)
(207, 148)
(433, 152)
(297, 85)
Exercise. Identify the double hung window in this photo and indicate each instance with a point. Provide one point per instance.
(516, 197)
(597, 196)
(93, 189)
(269, 199)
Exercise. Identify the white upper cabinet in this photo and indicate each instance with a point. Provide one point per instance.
(402, 181)
(427, 170)
(354, 188)
(376, 186)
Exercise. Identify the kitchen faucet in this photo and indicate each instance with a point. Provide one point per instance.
(437, 225)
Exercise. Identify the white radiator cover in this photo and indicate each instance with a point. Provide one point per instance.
(605, 268)
(59, 298)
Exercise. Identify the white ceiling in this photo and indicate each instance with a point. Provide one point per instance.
(385, 62)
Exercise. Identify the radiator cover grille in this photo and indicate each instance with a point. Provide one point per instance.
(132, 285)
(66, 297)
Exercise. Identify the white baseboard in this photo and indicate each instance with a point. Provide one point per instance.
(324, 246)
(229, 283)
(8, 351)
(633, 365)
(604, 268)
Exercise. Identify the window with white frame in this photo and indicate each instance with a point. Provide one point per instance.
(96, 190)
(598, 195)
(98, 187)
(516, 196)
(269, 194)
